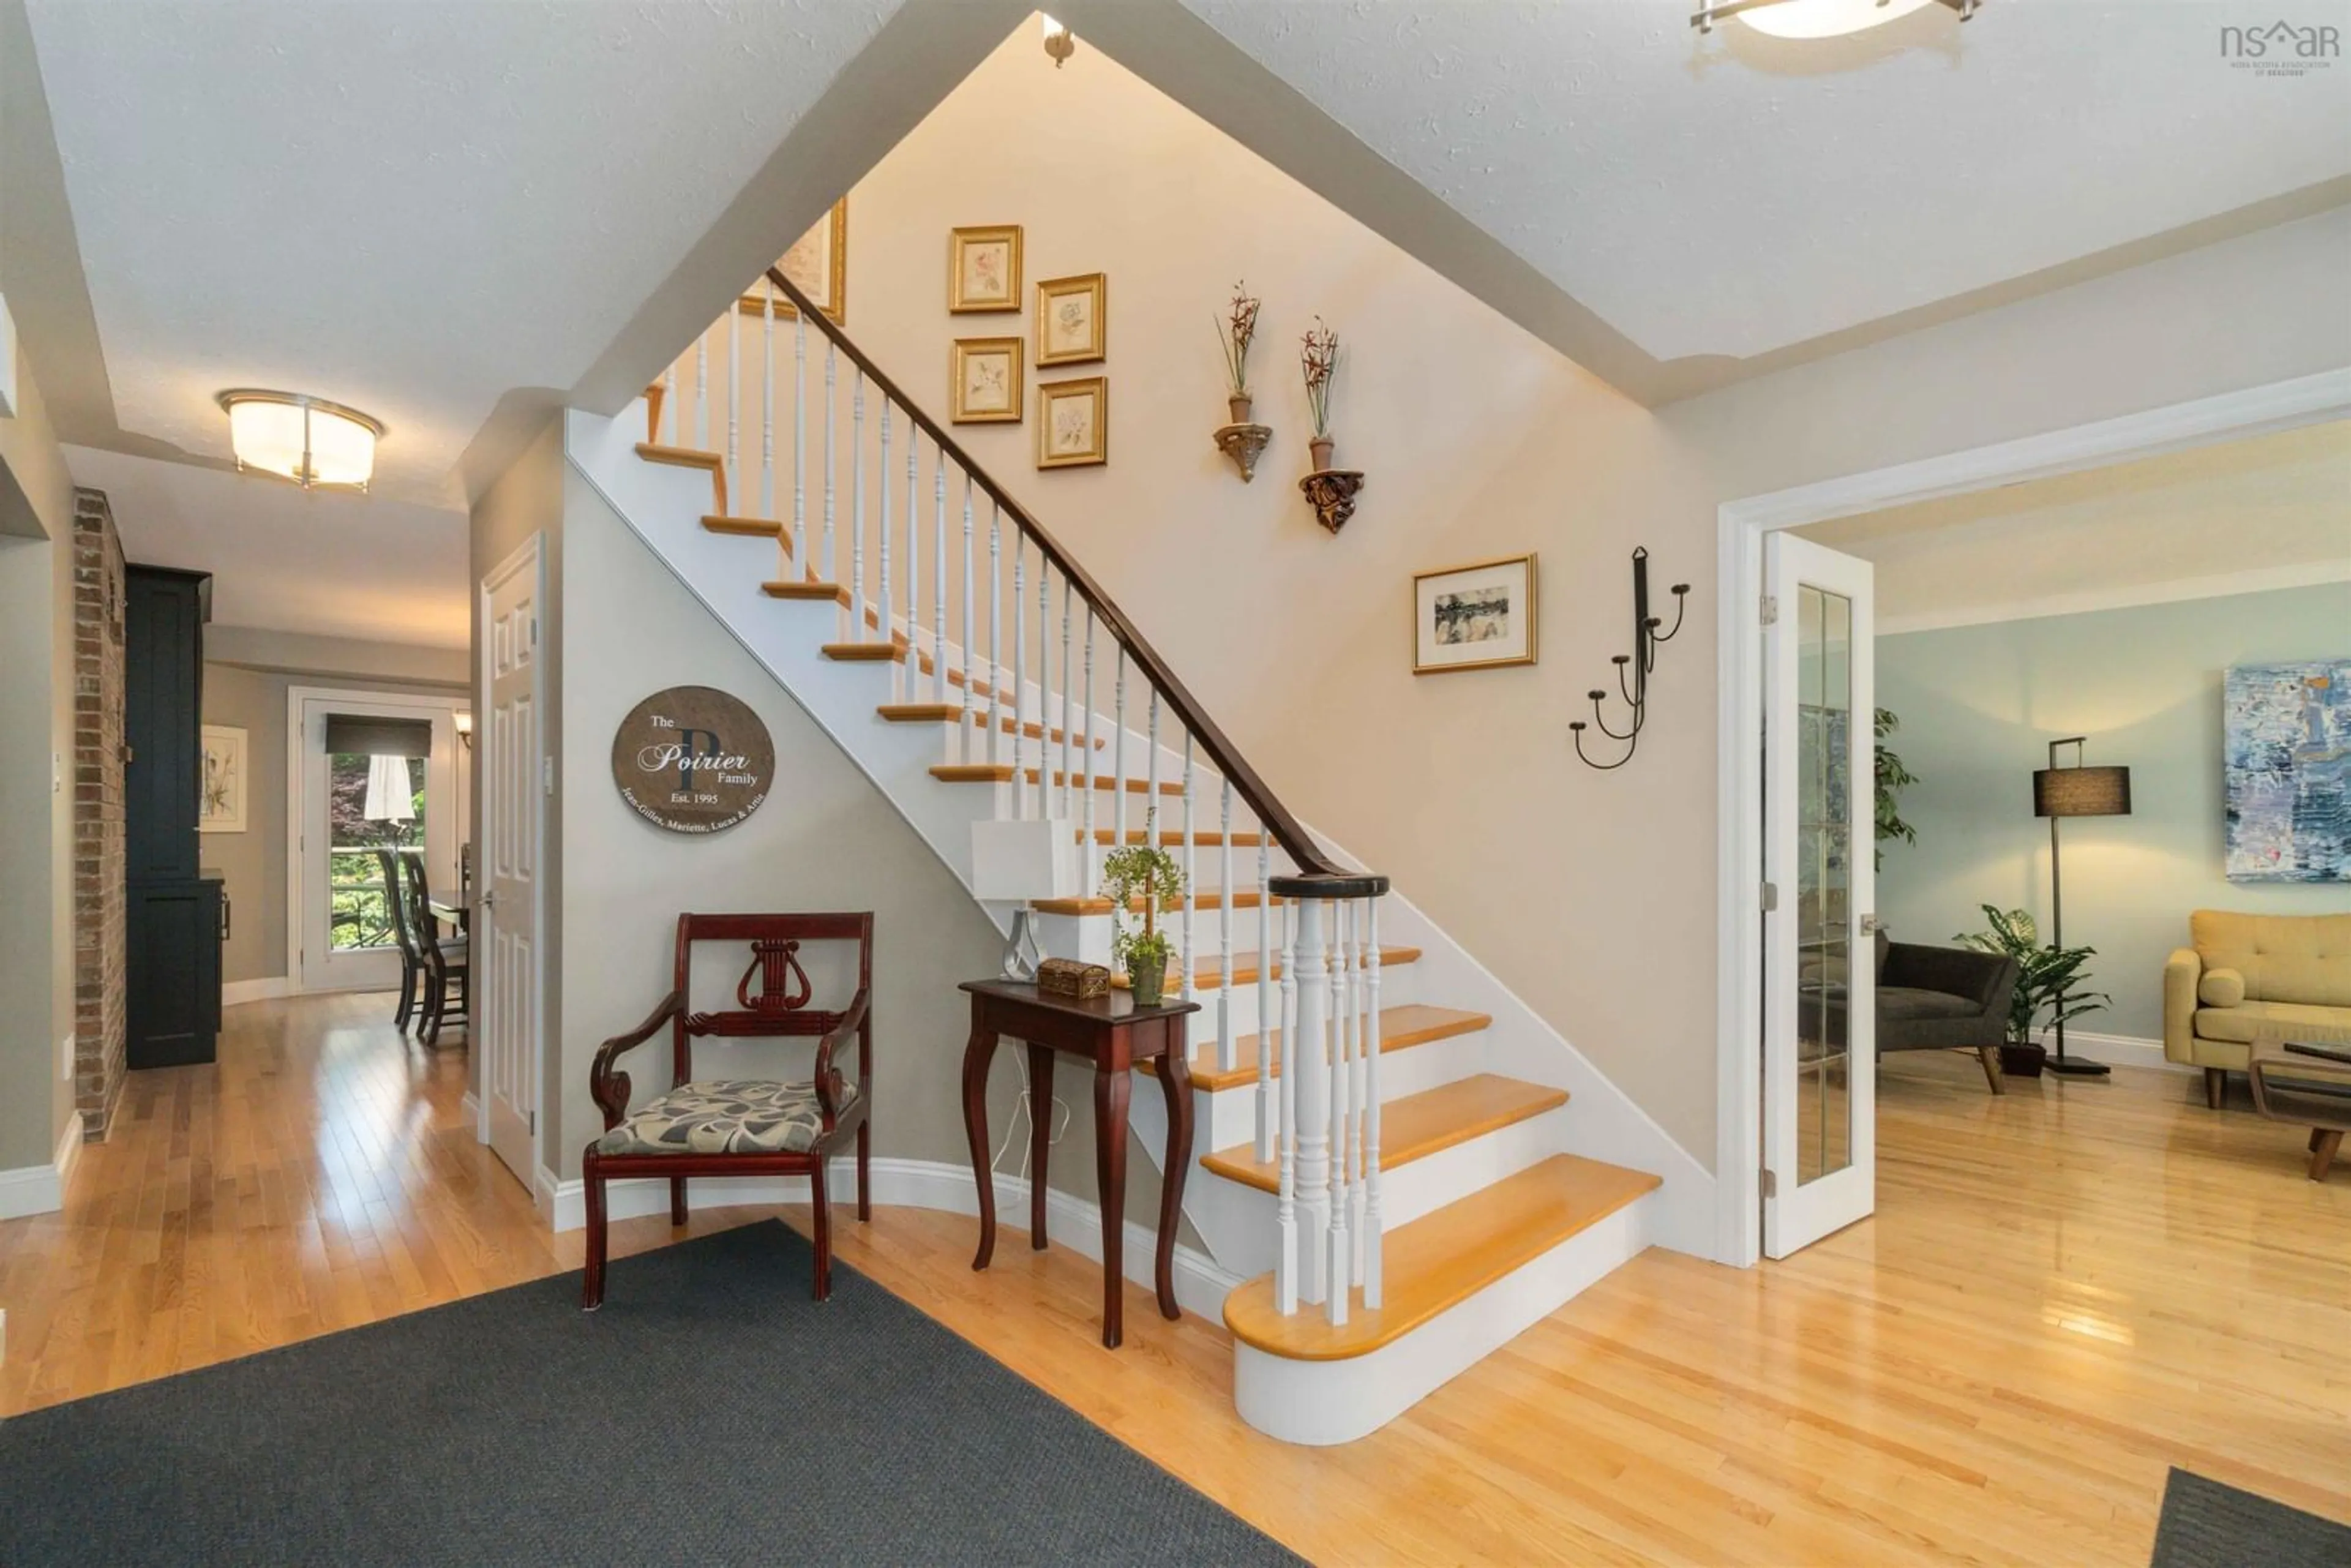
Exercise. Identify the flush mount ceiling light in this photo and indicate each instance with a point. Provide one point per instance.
(305, 439)
(1819, 18)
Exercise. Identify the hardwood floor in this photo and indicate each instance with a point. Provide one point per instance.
(2065, 1291)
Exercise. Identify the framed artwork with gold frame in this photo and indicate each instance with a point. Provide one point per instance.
(983, 269)
(1480, 616)
(1073, 320)
(1074, 422)
(984, 381)
(817, 265)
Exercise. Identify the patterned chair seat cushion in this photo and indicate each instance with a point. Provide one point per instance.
(724, 1116)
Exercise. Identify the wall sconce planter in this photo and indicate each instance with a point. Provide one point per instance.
(1242, 442)
(1635, 689)
(1331, 493)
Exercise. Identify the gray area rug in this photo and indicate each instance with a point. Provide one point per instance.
(711, 1412)
(2208, 1525)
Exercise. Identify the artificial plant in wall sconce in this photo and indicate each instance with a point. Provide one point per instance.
(1330, 491)
(1634, 686)
(1241, 440)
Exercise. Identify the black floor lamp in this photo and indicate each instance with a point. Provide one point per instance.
(2079, 790)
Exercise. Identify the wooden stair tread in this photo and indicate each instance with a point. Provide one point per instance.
(1110, 781)
(831, 590)
(1200, 900)
(684, 456)
(1210, 974)
(754, 527)
(1173, 838)
(1400, 1028)
(865, 653)
(1417, 1126)
(1443, 1259)
(948, 712)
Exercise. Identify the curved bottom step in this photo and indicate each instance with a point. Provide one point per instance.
(1461, 1282)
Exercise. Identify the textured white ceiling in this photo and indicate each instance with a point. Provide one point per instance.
(1736, 195)
(411, 207)
(2225, 517)
(329, 562)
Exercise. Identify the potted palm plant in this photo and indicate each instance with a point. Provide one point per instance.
(1145, 877)
(2052, 980)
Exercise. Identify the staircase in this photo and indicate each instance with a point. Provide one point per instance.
(1436, 1169)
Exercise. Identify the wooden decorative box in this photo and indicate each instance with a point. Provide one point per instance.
(1069, 978)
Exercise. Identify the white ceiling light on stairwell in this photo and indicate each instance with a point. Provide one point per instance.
(305, 439)
(1819, 18)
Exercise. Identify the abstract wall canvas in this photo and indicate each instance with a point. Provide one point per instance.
(2286, 750)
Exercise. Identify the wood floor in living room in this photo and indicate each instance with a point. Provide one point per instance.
(2065, 1291)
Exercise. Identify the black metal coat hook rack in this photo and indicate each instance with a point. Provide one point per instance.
(1642, 659)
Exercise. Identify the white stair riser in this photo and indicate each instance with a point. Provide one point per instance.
(1319, 1403)
(1229, 1116)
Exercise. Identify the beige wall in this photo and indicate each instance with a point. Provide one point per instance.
(36, 814)
(251, 864)
(1592, 895)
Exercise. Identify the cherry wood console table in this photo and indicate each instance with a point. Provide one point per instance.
(1117, 1035)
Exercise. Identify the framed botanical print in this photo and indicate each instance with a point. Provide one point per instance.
(983, 269)
(1072, 319)
(984, 381)
(1074, 422)
(1475, 617)
(817, 265)
(220, 807)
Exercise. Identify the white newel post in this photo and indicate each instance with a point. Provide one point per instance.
(1308, 1061)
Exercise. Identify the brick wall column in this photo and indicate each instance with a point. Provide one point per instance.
(98, 896)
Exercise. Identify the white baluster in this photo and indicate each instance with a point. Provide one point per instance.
(1069, 732)
(767, 399)
(1268, 1129)
(995, 631)
(1086, 748)
(963, 724)
(1342, 1258)
(832, 452)
(1020, 686)
(914, 561)
(1305, 1059)
(888, 619)
(799, 450)
(733, 393)
(1045, 686)
(1358, 1076)
(1228, 1049)
(702, 392)
(939, 579)
(857, 508)
(1374, 1226)
(1191, 871)
(676, 420)
(1118, 745)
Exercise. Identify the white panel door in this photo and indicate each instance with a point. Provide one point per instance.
(1820, 1045)
(506, 926)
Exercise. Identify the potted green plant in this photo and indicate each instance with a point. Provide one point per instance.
(1144, 876)
(1891, 779)
(2052, 980)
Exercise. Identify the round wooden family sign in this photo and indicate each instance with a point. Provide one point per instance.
(693, 759)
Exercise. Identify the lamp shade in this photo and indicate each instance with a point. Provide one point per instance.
(2081, 792)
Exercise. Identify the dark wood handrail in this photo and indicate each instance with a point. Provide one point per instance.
(1222, 753)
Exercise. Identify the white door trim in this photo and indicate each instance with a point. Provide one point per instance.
(440, 709)
(1740, 525)
(530, 555)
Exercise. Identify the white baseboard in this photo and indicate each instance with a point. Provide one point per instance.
(2116, 1049)
(1200, 1286)
(269, 988)
(41, 1189)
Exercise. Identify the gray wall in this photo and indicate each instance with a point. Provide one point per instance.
(1978, 706)
(253, 862)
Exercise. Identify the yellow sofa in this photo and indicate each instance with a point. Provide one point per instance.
(2248, 978)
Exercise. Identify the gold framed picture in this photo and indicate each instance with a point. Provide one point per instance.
(1074, 422)
(984, 381)
(1072, 319)
(983, 269)
(817, 265)
(1475, 617)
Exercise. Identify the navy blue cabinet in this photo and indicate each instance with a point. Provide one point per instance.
(172, 977)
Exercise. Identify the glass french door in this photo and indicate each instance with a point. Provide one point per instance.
(344, 940)
(1820, 1047)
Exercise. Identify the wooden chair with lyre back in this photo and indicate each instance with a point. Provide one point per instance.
(742, 1127)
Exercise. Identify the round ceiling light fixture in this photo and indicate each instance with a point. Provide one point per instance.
(305, 439)
(1819, 18)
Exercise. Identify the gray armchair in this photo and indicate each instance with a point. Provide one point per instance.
(1944, 998)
